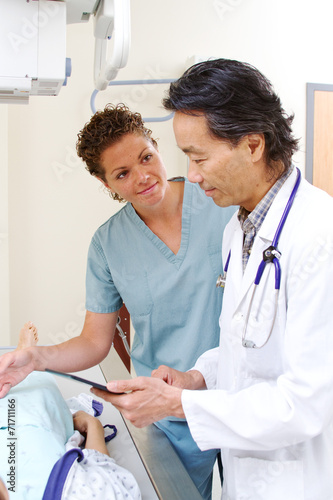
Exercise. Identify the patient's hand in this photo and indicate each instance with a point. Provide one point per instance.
(92, 429)
(82, 422)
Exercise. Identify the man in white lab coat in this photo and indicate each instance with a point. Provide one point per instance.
(265, 396)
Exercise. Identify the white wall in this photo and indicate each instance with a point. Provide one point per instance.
(54, 204)
(4, 258)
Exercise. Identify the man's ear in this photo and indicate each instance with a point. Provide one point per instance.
(256, 143)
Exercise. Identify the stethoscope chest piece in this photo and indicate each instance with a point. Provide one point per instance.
(270, 254)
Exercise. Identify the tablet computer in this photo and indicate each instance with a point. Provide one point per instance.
(80, 379)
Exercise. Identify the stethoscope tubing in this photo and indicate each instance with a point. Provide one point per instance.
(271, 254)
(273, 248)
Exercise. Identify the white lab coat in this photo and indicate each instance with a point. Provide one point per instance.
(271, 409)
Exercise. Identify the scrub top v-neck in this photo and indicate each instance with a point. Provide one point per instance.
(186, 220)
(172, 298)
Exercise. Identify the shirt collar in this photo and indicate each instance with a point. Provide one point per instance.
(252, 221)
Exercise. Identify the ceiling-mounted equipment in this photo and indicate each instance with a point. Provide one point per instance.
(33, 44)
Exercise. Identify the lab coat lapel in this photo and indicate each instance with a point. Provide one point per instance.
(242, 282)
(259, 245)
(235, 267)
(232, 242)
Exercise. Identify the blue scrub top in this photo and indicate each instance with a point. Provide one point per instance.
(172, 299)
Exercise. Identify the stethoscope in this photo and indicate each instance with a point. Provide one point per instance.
(272, 255)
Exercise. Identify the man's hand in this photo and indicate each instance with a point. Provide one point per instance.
(148, 399)
(192, 379)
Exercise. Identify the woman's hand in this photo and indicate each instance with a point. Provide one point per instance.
(14, 367)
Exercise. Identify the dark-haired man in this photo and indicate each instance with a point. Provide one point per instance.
(265, 396)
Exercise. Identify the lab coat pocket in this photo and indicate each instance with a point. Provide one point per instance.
(257, 479)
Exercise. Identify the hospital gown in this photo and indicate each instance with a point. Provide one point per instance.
(91, 475)
(43, 432)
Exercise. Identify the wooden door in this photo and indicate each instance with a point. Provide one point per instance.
(319, 169)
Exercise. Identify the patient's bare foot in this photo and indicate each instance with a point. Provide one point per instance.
(28, 336)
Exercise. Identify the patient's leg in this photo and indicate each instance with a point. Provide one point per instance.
(28, 336)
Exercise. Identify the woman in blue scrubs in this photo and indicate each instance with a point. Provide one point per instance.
(160, 254)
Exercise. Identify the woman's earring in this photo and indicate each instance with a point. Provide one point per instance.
(115, 196)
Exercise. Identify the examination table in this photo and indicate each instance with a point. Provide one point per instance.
(146, 453)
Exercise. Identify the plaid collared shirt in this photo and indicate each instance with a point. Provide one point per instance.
(251, 221)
